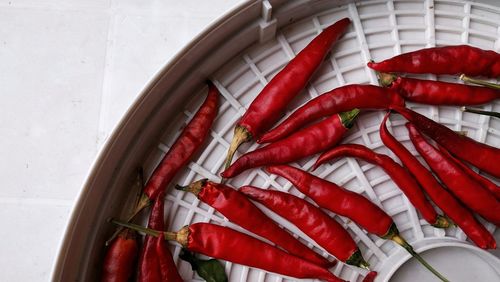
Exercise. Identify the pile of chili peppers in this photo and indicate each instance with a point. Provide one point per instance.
(318, 126)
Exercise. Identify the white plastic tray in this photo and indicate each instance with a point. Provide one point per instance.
(240, 53)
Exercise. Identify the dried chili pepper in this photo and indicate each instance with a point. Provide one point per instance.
(444, 60)
(370, 276)
(168, 270)
(228, 244)
(452, 175)
(341, 201)
(240, 210)
(184, 147)
(438, 194)
(478, 154)
(155, 263)
(338, 100)
(486, 183)
(317, 137)
(398, 174)
(438, 92)
(316, 224)
(271, 102)
(120, 257)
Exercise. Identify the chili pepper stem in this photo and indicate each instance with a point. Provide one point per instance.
(386, 79)
(241, 135)
(143, 202)
(402, 242)
(194, 187)
(357, 259)
(443, 222)
(485, 83)
(180, 236)
(347, 118)
(481, 112)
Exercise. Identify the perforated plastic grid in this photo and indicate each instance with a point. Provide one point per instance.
(380, 29)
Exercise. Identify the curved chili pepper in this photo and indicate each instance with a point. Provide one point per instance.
(398, 174)
(120, 257)
(438, 92)
(341, 201)
(240, 210)
(349, 204)
(335, 101)
(438, 194)
(154, 265)
(486, 183)
(478, 154)
(316, 224)
(271, 102)
(444, 60)
(303, 143)
(228, 244)
(465, 188)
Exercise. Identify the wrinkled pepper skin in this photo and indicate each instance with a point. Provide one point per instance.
(438, 194)
(156, 264)
(486, 183)
(303, 143)
(460, 59)
(240, 210)
(316, 224)
(227, 244)
(398, 174)
(119, 262)
(168, 268)
(443, 93)
(149, 265)
(337, 199)
(271, 102)
(338, 100)
(464, 187)
(186, 145)
(480, 155)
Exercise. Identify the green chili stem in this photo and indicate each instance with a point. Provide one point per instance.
(481, 112)
(480, 82)
(402, 242)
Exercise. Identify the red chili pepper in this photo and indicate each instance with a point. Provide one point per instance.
(465, 188)
(303, 143)
(228, 244)
(341, 201)
(120, 257)
(398, 174)
(338, 100)
(438, 92)
(370, 276)
(478, 154)
(271, 102)
(486, 183)
(240, 210)
(444, 60)
(441, 197)
(168, 269)
(186, 145)
(154, 265)
(316, 224)
(349, 204)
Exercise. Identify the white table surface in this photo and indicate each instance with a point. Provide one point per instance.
(69, 69)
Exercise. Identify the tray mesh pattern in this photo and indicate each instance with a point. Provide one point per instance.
(380, 29)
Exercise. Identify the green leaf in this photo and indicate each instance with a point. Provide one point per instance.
(211, 270)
